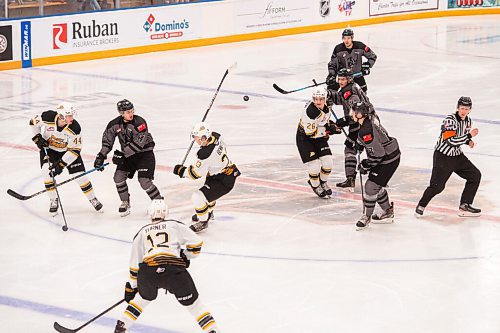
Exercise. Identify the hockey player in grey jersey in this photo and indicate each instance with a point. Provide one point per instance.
(382, 160)
(220, 173)
(136, 153)
(160, 256)
(349, 94)
(349, 54)
(58, 136)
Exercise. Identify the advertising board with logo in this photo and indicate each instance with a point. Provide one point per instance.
(473, 3)
(262, 15)
(6, 43)
(170, 28)
(381, 7)
(26, 43)
(332, 11)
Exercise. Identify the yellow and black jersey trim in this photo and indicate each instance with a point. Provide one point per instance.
(164, 259)
(193, 174)
(205, 320)
(133, 310)
(194, 248)
(75, 151)
(133, 273)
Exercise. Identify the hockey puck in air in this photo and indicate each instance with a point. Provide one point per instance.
(246, 98)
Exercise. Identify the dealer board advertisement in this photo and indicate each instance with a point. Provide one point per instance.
(62, 35)
(473, 3)
(383, 7)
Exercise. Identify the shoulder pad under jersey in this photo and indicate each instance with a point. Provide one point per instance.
(49, 116)
(205, 151)
(75, 127)
(312, 111)
(114, 122)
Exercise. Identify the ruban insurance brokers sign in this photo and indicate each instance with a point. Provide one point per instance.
(381, 7)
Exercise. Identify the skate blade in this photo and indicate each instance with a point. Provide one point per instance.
(384, 221)
(100, 211)
(418, 216)
(125, 213)
(54, 214)
(362, 228)
(468, 214)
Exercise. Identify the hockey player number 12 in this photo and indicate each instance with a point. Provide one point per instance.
(162, 244)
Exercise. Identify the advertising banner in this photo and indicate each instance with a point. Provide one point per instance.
(26, 43)
(6, 43)
(473, 3)
(382, 7)
(263, 15)
(62, 35)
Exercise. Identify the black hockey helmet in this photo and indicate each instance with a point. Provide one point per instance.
(361, 108)
(348, 32)
(345, 72)
(124, 105)
(465, 101)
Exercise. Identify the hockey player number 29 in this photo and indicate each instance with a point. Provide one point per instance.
(158, 235)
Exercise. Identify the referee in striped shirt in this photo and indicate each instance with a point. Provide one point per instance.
(449, 158)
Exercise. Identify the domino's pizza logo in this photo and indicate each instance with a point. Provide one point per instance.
(148, 25)
(59, 35)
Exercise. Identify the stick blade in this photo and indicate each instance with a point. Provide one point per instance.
(17, 195)
(232, 67)
(62, 329)
(275, 86)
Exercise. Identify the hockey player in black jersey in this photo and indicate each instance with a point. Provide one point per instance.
(456, 130)
(58, 136)
(349, 54)
(136, 153)
(383, 156)
(212, 161)
(349, 94)
(312, 136)
(161, 253)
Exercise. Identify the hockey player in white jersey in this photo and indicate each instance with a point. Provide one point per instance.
(312, 136)
(58, 136)
(220, 173)
(161, 254)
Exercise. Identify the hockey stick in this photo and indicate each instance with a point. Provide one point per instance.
(65, 226)
(26, 197)
(361, 184)
(63, 329)
(283, 91)
(230, 69)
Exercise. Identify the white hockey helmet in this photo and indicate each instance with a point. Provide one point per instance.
(319, 92)
(66, 109)
(201, 129)
(158, 210)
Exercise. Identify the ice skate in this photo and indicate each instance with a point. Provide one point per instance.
(466, 210)
(318, 190)
(326, 188)
(120, 327)
(363, 222)
(199, 226)
(96, 204)
(124, 209)
(211, 217)
(419, 211)
(385, 217)
(348, 184)
(54, 206)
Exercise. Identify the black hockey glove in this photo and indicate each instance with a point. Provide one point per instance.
(118, 158)
(57, 168)
(179, 170)
(342, 122)
(331, 128)
(129, 292)
(359, 148)
(365, 68)
(40, 141)
(332, 83)
(186, 260)
(99, 161)
(362, 168)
